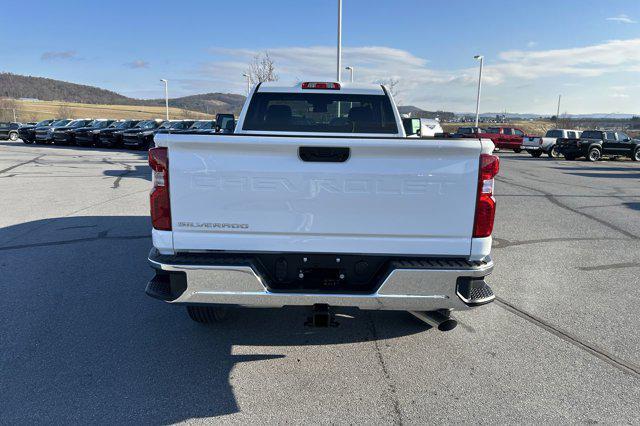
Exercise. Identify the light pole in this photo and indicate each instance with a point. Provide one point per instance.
(558, 113)
(351, 70)
(166, 95)
(339, 67)
(481, 58)
(248, 82)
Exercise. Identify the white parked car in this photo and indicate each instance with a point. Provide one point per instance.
(314, 204)
(536, 146)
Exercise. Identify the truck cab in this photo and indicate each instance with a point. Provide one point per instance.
(505, 137)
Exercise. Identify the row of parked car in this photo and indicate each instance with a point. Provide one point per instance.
(571, 144)
(136, 134)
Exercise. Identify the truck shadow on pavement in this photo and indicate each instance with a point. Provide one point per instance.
(82, 343)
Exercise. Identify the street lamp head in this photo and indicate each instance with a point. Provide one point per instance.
(164, 80)
(478, 57)
(246, 75)
(348, 68)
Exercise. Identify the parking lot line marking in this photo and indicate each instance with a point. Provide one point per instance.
(611, 266)
(554, 200)
(22, 164)
(622, 365)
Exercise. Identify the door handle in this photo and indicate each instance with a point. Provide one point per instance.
(324, 154)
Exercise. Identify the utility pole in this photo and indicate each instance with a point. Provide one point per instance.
(339, 67)
(558, 112)
(14, 115)
(351, 70)
(166, 95)
(481, 59)
(248, 82)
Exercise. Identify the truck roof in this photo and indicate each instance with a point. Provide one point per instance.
(345, 88)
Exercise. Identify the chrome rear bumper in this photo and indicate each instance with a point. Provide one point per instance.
(426, 285)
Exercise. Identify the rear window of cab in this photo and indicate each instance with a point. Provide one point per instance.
(320, 112)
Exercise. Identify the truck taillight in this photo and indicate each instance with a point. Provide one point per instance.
(159, 197)
(485, 203)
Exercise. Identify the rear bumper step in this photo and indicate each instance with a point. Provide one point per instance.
(411, 285)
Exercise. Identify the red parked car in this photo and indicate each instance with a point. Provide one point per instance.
(505, 137)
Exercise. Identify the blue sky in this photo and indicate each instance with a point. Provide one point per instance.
(588, 50)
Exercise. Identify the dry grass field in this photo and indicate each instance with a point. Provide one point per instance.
(40, 110)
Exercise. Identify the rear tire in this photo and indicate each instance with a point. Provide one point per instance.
(594, 155)
(517, 150)
(553, 152)
(535, 154)
(207, 314)
(13, 136)
(636, 155)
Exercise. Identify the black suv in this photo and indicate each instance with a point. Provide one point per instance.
(28, 132)
(111, 137)
(202, 127)
(595, 144)
(44, 134)
(180, 126)
(88, 135)
(141, 136)
(9, 131)
(66, 135)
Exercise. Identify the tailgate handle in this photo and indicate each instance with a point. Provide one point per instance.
(324, 154)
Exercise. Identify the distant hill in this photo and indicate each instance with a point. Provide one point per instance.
(47, 89)
(419, 112)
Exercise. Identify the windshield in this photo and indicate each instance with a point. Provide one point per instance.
(100, 124)
(60, 123)
(320, 112)
(591, 134)
(554, 134)
(43, 123)
(146, 125)
(181, 125)
(76, 123)
(201, 125)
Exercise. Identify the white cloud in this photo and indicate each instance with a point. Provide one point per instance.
(513, 79)
(138, 63)
(532, 44)
(625, 19)
(65, 54)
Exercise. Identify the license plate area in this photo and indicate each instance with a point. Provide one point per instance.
(321, 273)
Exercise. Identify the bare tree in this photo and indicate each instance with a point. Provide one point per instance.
(7, 109)
(392, 86)
(262, 69)
(64, 111)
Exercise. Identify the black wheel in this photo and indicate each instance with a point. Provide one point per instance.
(207, 314)
(594, 155)
(13, 136)
(553, 152)
(517, 150)
(535, 154)
(636, 155)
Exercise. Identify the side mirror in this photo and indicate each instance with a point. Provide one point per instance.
(230, 126)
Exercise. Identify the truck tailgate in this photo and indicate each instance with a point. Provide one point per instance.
(255, 193)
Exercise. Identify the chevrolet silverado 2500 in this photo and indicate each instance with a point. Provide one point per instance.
(319, 199)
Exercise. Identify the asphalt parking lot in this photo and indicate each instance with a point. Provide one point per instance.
(80, 342)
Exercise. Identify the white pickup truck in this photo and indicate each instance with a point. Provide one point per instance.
(319, 199)
(536, 146)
